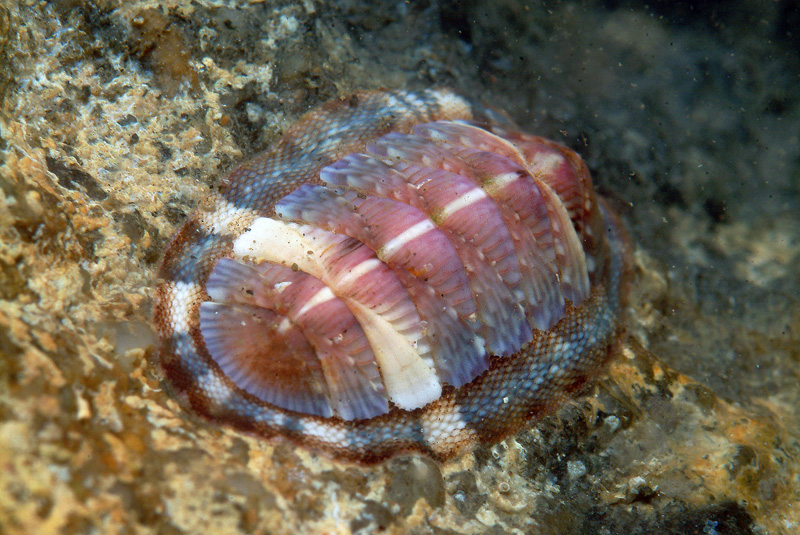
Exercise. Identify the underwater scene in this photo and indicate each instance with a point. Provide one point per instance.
(419, 267)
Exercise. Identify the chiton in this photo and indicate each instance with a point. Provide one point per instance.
(402, 271)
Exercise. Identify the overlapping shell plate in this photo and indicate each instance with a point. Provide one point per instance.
(398, 273)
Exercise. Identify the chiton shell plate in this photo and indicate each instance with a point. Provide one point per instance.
(400, 272)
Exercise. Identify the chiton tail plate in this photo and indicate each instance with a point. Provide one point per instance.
(401, 272)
